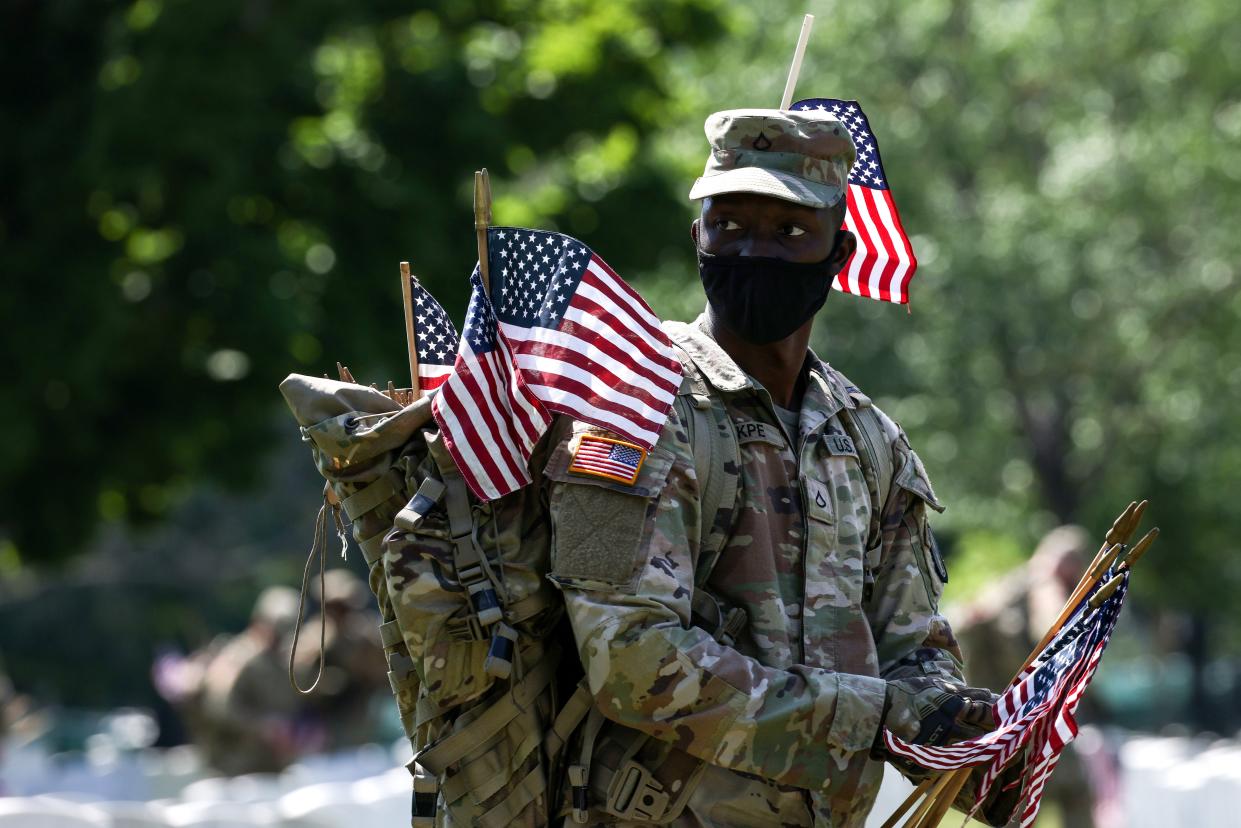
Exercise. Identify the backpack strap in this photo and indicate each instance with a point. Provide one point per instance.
(866, 428)
(717, 462)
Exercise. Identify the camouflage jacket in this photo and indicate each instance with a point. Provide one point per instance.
(785, 717)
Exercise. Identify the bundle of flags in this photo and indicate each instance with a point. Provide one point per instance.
(558, 332)
(1037, 710)
(884, 262)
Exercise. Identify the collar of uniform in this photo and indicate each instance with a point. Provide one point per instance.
(822, 400)
(725, 375)
(832, 382)
(714, 362)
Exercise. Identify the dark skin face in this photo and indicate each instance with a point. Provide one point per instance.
(744, 224)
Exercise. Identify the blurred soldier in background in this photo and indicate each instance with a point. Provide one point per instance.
(7, 696)
(248, 710)
(1000, 628)
(354, 668)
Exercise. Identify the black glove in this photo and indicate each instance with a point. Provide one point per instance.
(932, 711)
(1006, 793)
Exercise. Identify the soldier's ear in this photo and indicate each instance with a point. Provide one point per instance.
(846, 243)
(693, 231)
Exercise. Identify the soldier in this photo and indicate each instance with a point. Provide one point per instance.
(773, 722)
(354, 669)
(248, 710)
(999, 629)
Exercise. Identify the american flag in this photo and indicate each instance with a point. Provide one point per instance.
(884, 263)
(435, 338)
(607, 458)
(1036, 710)
(560, 333)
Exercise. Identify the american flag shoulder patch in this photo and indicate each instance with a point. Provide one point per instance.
(607, 457)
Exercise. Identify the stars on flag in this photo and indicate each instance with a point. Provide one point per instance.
(547, 270)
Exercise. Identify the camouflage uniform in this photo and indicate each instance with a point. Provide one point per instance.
(836, 602)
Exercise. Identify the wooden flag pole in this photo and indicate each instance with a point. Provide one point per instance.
(807, 24)
(411, 340)
(482, 220)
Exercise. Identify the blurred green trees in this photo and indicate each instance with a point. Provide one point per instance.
(200, 198)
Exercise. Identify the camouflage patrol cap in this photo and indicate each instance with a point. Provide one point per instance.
(342, 587)
(803, 157)
(277, 606)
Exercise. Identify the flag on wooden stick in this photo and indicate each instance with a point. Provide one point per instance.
(560, 332)
(435, 338)
(884, 262)
(1037, 710)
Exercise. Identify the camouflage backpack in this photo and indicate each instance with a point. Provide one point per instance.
(482, 665)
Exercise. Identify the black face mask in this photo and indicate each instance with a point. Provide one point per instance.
(763, 299)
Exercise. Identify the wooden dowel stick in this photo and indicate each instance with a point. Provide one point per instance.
(411, 339)
(806, 24)
(944, 799)
(928, 803)
(1139, 550)
(482, 220)
(914, 796)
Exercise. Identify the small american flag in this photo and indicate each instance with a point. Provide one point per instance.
(560, 333)
(884, 263)
(604, 457)
(435, 338)
(1037, 709)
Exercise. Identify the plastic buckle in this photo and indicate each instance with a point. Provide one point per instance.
(581, 802)
(483, 598)
(473, 630)
(635, 794)
(734, 622)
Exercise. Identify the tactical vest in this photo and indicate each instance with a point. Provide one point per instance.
(481, 663)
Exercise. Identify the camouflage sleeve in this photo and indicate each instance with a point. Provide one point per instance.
(911, 636)
(624, 557)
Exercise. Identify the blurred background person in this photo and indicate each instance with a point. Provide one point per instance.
(355, 673)
(247, 713)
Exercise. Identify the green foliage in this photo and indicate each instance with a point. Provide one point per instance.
(979, 558)
(202, 197)
(1066, 173)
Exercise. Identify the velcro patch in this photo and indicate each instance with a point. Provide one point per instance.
(607, 457)
(752, 431)
(839, 445)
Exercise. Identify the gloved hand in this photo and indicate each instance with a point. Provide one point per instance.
(932, 711)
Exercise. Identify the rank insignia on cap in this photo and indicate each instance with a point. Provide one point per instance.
(608, 458)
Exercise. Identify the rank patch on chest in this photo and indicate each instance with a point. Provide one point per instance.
(608, 458)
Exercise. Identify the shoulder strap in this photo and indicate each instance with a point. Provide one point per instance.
(865, 427)
(717, 462)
